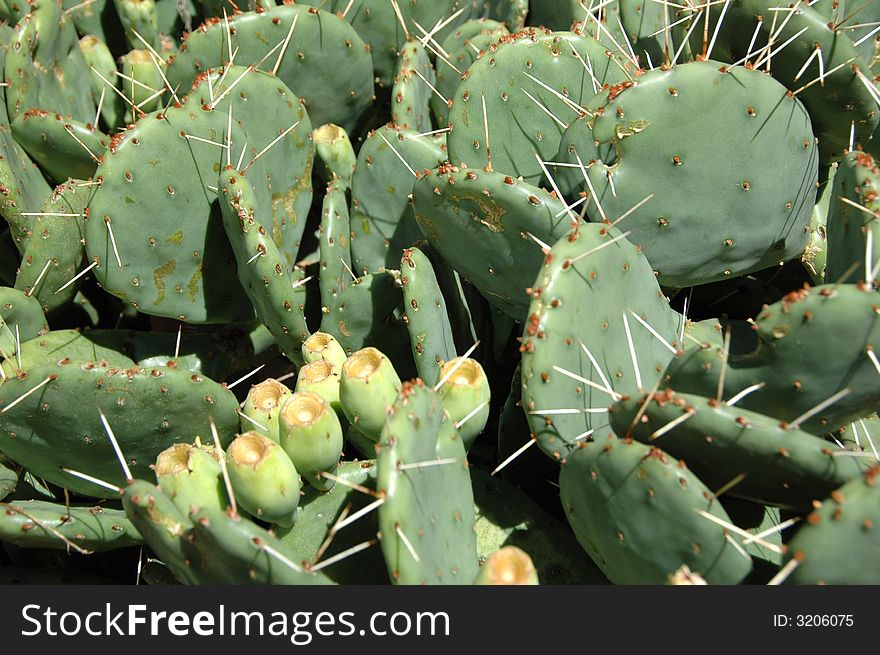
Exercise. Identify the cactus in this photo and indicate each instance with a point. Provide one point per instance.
(780, 466)
(312, 437)
(850, 224)
(333, 147)
(263, 405)
(40, 524)
(594, 283)
(321, 346)
(99, 58)
(427, 519)
(335, 241)
(367, 388)
(191, 477)
(508, 566)
(21, 319)
(840, 537)
(8, 479)
(635, 511)
(412, 92)
(465, 396)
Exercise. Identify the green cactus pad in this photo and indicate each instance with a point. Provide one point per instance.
(233, 550)
(642, 155)
(852, 207)
(389, 162)
(520, 126)
(138, 16)
(20, 314)
(430, 333)
(782, 467)
(335, 240)
(174, 266)
(98, 56)
(427, 520)
(265, 108)
(411, 94)
(59, 425)
(840, 540)
(26, 188)
(57, 237)
(835, 106)
(40, 524)
(788, 350)
(480, 223)
(321, 42)
(261, 267)
(583, 333)
(634, 509)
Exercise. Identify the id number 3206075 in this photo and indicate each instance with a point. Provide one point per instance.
(813, 621)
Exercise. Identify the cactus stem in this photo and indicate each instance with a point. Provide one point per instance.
(284, 45)
(458, 364)
(245, 376)
(47, 528)
(27, 393)
(125, 470)
(345, 554)
(519, 451)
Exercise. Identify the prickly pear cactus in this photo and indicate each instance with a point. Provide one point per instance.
(427, 519)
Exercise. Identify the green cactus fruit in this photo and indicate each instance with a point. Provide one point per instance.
(838, 103)
(641, 515)
(320, 42)
(261, 267)
(321, 377)
(335, 235)
(144, 85)
(311, 435)
(191, 476)
(57, 240)
(464, 46)
(382, 222)
(787, 349)
(334, 149)
(50, 419)
(427, 519)
(613, 333)
(234, 551)
(525, 92)
(507, 516)
(851, 226)
(163, 527)
(412, 90)
(41, 524)
(170, 267)
(281, 146)
(263, 404)
(368, 386)
(430, 333)
(139, 16)
(640, 167)
(508, 566)
(98, 57)
(319, 512)
(720, 443)
(465, 396)
(322, 346)
(264, 480)
(21, 319)
(45, 69)
(496, 217)
(841, 538)
(8, 479)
